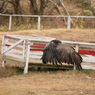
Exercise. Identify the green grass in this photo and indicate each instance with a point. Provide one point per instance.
(10, 71)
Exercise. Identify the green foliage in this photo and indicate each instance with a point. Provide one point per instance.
(21, 27)
(84, 5)
(3, 28)
(78, 23)
(85, 14)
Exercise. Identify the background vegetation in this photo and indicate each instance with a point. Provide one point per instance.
(47, 7)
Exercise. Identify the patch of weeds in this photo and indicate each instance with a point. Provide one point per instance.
(18, 70)
(21, 27)
(7, 72)
(10, 71)
(3, 28)
(86, 14)
(53, 71)
(84, 4)
(5, 94)
(86, 71)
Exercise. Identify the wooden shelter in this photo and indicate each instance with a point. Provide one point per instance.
(27, 50)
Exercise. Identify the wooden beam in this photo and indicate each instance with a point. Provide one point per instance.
(12, 46)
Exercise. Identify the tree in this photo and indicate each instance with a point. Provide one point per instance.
(91, 8)
(37, 7)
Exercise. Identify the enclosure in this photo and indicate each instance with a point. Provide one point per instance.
(22, 22)
(23, 50)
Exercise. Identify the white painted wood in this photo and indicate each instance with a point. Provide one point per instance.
(89, 59)
(36, 53)
(49, 16)
(69, 23)
(76, 48)
(39, 22)
(79, 43)
(2, 44)
(12, 46)
(4, 41)
(23, 52)
(15, 51)
(10, 22)
(35, 57)
(3, 63)
(27, 57)
(14, 55)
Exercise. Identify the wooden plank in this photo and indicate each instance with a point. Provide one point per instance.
(35, 57)
(87, 59)
(81, 44)
(36, 49)
(12, 46)
(11, 37)
(89, 52)
(14, 60)
(39, 44)
(14, 55)
(36, 53)
(15, 51)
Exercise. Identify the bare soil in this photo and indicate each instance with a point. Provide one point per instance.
(49, 82)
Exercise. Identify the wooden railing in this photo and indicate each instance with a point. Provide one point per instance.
(41, 16)
(28, 48)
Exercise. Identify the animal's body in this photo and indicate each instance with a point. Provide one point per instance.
(56, 53)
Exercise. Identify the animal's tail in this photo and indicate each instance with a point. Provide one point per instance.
(77, 60)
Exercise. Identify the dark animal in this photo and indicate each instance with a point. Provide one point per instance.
(56, 53)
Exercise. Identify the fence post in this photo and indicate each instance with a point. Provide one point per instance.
(69, 22)
(26, 56)
(39, 22)
(10, 22)
(76, 48)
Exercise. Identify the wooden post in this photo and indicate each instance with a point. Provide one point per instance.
(27, 57)
(69, 23)
(3, 63)
(10, 22)
(3, 43)
(39, 22)
(76, 48)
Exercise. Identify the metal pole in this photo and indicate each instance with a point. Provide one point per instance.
(69, 23)
(10, 22)
(39, 22)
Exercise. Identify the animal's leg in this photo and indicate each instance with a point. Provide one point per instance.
(74, 66)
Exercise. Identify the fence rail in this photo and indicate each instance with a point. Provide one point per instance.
(68, 25)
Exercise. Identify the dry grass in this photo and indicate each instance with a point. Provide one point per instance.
(48, 83)
(53, 82)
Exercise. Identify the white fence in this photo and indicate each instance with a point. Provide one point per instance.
(41, 16)
(28, 49)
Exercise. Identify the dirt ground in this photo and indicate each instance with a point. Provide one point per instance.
(51, 82)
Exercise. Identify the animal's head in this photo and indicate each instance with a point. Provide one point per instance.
(56, 41)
